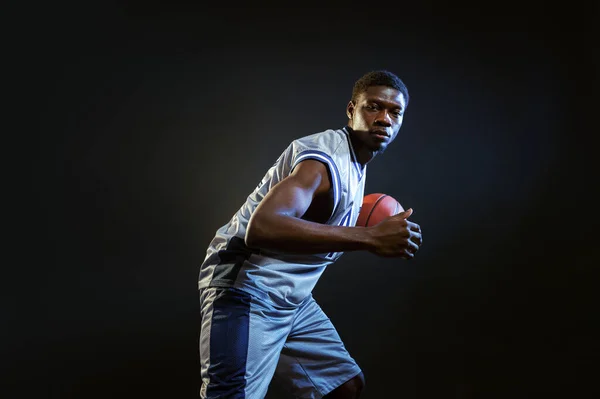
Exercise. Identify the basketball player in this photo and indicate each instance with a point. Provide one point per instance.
(259, 318)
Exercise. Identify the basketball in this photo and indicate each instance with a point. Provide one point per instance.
(376, 207)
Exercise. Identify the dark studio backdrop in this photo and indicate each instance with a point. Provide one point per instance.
(147, 127)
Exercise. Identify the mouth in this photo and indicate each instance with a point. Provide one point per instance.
(380, 134)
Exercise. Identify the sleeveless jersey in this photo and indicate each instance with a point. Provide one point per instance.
(282, 278)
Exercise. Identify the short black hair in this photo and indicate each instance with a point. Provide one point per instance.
(379, 78)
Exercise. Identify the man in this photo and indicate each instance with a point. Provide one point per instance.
(259, 318)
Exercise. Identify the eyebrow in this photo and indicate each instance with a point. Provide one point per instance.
(387, 103)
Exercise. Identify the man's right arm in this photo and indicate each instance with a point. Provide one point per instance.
(277, 222)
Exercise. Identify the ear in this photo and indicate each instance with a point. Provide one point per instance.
(350, 109)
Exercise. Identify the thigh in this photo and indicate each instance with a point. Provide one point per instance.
(314, 360)
(240, 342)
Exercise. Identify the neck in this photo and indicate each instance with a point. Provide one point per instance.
(364, 155)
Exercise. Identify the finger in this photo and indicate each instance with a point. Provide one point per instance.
(417, 238)
(410, 246)
(413, 245)
(413, 226)
(407, 255)
(405, 214)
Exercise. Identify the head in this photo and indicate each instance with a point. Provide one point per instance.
(376, 110)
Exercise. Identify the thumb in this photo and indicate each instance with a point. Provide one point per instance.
(406, 214)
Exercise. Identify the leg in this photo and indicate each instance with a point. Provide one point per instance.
(240, 343)
(350, 389)
(224, 343)
(314, 360)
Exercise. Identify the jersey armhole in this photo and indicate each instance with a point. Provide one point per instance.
(334, 174)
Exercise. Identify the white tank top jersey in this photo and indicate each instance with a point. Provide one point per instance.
(282, 278)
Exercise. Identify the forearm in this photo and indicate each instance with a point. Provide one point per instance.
(286, 233)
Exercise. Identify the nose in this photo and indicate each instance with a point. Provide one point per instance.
(383, 119)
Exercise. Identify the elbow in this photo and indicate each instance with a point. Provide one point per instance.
(264, 230)
(250, 239)
(255, 236)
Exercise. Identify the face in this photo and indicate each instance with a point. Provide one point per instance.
(376, 116)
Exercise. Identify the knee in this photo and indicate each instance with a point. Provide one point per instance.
(359, 383)
(351, 389)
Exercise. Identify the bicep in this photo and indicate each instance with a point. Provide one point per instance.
(294, 194)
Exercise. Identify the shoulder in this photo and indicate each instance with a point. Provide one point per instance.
(328, 141)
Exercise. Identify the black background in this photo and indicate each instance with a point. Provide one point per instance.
(141, 128)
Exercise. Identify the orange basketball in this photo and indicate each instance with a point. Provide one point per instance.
(376, 207)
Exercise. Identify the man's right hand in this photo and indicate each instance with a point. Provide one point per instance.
(397, 237)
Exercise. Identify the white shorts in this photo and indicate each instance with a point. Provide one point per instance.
(245, 341)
